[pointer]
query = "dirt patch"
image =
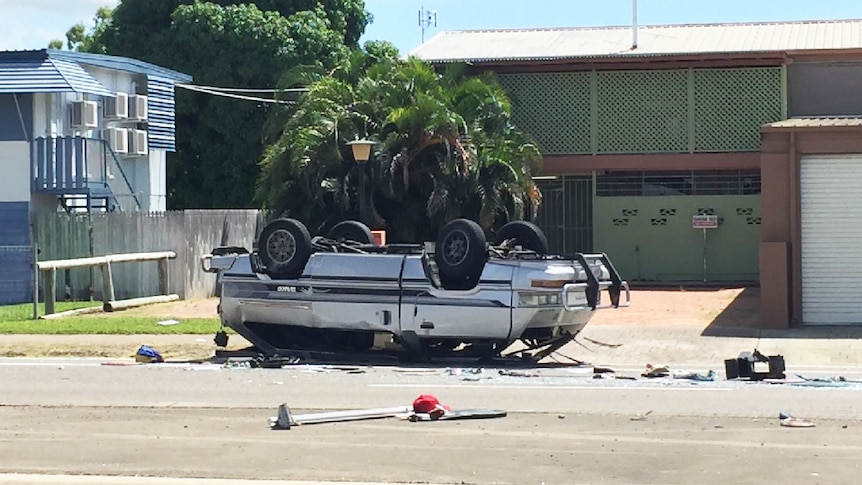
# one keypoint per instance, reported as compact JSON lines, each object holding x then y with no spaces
{"x":183,"y":309}
{"x":739,"y":307}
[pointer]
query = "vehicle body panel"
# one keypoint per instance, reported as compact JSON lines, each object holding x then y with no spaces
{"x":396,"y":295}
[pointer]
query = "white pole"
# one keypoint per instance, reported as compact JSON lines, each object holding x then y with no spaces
{"x":634,"y":24}
{"x":421,"y":23}
{"x":704,"y":255}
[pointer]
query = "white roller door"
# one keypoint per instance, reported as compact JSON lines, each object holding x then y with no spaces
{"x":831,"y":200}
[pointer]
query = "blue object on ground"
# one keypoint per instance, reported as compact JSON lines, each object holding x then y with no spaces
{"x":148,"y":354}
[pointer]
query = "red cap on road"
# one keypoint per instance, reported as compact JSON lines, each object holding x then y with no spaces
{"x":427,"y":403}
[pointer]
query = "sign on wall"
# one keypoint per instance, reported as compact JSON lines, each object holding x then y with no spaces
{"x":704,"y":222}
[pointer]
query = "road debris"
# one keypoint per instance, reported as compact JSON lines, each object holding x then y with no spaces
{"x":745,"y":366}
{"x":694,"y":376}
{"x":641,"y":417}
{"x":460,"y":371}
{"x":834,"y":381}
{"x":424,"y":408}
{"x":148,"y":355}
{"x":169,"y":322}
{"x":785,"y":419}
{"x":285,"y":419}
{"x":516,"y":373}
{"x":602,"y":344}
{"x":459,"y":414}
{"x":656,"y":371}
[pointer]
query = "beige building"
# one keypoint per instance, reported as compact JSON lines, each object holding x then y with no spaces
{"x":751,"y":129}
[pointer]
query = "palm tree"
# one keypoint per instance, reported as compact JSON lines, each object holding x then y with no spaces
{"x":447,"y":148}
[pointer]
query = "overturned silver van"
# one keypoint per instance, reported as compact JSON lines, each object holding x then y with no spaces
{"x":456,"y":296}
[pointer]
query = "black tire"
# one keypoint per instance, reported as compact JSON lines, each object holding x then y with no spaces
{"x":355,"y":231}
{"x":284,"y":247}
{"x":525,"y":234}
{"x":460,"y":254}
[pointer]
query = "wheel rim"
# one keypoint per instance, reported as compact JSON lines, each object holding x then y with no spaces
{"x":455,"y":248}
{"x":281,"y":246}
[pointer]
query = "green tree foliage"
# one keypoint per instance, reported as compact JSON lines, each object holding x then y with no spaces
{"x":78,"y":38}
{"x":447,"y":148}
{"x":237,"y":44}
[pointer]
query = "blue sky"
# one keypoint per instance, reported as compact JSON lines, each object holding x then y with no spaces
{"x":31,"y":24}
{"x":397,"y":20}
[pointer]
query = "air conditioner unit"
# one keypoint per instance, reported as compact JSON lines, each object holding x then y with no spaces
{"x":138,"y":107}
{"x":85,"y":114}
{"x":138,"y":142}
{"x":118,"y":139}
{"x":116,"y":108}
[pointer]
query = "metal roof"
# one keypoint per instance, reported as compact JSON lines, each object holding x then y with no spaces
{"x":800,"y":123}
{"x":48,"y":70}
{"x":45,"y":76}
{"x":119,"y":64}
{"x":656,"y":40}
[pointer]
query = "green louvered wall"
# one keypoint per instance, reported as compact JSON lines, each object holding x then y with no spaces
{"x":659,"y":111}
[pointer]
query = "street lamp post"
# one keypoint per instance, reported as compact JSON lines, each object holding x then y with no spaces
{"x":361,"y":153}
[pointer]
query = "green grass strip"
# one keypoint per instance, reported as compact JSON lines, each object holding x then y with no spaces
{"x":17,"y":319}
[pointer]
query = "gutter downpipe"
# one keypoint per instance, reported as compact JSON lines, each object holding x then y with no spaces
{"x":795,"y":234}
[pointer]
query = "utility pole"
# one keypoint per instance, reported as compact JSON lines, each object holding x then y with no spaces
{"x":427,"y":18}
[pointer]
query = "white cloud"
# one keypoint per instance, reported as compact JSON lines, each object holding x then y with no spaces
{"x":31,"y":24}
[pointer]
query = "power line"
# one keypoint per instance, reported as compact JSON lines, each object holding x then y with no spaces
{"x":216,"y":92}
{"x":244,"y":90}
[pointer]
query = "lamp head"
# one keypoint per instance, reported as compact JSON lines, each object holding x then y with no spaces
{"x":361,"y":150}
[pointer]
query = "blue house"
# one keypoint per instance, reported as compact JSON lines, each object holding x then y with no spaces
{"x":80,"y":133}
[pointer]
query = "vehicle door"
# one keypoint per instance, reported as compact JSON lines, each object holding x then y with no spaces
{"x":355,"y":291}
{"x":432,"y":312}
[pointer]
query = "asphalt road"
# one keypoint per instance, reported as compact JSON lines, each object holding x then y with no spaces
{"x":79,"y":417}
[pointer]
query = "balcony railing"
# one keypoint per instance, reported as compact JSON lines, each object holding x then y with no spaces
{"x":80,"y":166}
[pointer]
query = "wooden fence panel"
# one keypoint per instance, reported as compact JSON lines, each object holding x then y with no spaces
{"x":190,"y":234}
{"x":61,"y":236}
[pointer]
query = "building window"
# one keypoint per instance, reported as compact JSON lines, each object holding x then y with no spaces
{"x":658,"y":183}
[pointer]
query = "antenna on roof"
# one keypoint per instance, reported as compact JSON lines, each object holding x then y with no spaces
{"x":427,"y":18}
{"x":634,"y":24}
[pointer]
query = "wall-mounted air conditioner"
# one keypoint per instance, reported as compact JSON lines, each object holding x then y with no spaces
{"x":85,"y":114}
{"x":118,"y":139}
{"x":116,"y":108}
{"x":138,"y":107}
{"x":138,"y":142}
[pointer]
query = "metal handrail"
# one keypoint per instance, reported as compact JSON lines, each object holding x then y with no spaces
{"x":107,"y":149}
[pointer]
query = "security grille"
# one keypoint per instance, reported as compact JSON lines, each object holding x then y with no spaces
{"x":579,"y":214}
{"x":552,"y":107}
{"x":732,"y":104}
{"x":566,"y":213}
{"x":552,"y":212}
{"x":642,"y":111}
{"x":706,"y":182}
